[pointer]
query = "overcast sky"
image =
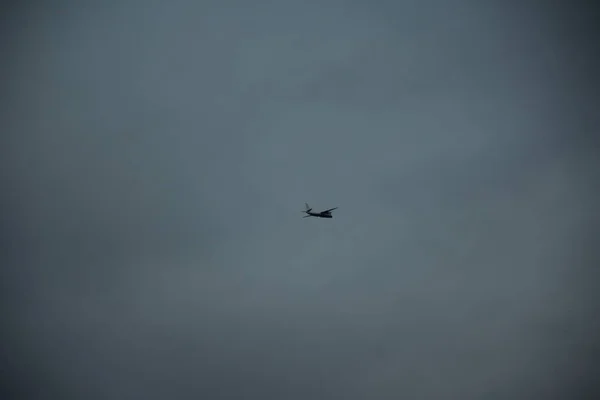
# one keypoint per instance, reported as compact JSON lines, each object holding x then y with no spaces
{"x":157,"y":156}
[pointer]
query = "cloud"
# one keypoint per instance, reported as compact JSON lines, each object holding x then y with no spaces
{"x":157,"y":157}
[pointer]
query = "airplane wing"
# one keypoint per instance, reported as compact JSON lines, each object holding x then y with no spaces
{"x":331,"y":209}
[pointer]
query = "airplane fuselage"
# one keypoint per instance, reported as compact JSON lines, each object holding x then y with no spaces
{"x":320,"y":215}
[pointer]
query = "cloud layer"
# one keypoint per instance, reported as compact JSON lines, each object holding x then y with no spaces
{"x":157,"y":156}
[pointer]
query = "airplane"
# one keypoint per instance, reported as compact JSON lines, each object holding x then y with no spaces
{"x":322,"y":214}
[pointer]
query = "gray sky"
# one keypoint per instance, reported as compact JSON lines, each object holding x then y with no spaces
{"x":157,"y":156}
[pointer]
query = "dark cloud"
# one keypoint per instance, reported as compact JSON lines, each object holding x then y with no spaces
{"x":157,"y":155}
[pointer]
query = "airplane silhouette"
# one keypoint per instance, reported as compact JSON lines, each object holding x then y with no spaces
{"x":322,"y":214}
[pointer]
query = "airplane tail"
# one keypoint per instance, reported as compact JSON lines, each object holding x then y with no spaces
{"x":308,"y":208}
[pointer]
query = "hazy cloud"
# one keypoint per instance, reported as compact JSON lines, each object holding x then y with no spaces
{"x":158,"y":154}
